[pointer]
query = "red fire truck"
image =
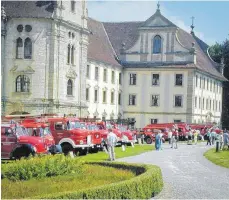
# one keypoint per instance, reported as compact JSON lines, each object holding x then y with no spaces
{"x":36,"y":127}
{"x":17,"y":143}
{"x":67,"y":132}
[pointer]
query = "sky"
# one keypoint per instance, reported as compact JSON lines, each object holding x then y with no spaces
{"x":211,"y":17}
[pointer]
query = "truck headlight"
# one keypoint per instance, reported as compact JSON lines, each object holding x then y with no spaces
{"x":81,"y":141}
{"x":35,"y":149}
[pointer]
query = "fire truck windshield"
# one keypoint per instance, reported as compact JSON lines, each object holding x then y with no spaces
{"x":83,"y":126}
{"x":75,"y":125}
{"x":45,"y":131}
{"x":20,"y":131}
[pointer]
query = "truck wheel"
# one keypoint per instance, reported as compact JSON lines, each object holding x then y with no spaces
{"x":83,"y":152}
{"x":66,"y":148}
{"x":95,"y":150}
{"x":149,"y":140}
{"x":22,"y":152}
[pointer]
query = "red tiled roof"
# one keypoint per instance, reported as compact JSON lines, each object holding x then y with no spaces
{"x":100,"y":48}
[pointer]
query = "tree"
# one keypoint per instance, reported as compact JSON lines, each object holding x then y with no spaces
{"x":217,"y":52}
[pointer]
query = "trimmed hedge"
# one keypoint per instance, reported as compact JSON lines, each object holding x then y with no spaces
{"x":144,"y":186}
{"x":39,"y":167}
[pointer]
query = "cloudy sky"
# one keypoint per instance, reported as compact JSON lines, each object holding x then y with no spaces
{"x":211,"y":17}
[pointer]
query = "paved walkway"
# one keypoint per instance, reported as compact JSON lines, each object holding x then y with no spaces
{"x":187,"y":173}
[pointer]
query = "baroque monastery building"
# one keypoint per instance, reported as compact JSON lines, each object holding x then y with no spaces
{"x":55,"y":59}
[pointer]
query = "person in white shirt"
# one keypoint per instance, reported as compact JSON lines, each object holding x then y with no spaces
{"x":170,"y":134}
{"x":111,"y":142}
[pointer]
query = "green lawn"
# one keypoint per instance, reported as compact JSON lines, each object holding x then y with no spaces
{"x":219,"y":158}
{"x":130,"y":151}
{"x":93,"y":176}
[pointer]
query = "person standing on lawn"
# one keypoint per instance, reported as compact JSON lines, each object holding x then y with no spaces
{"x":225,"y":139}
{"x":111,"y":142}
{"x":221,"y":140}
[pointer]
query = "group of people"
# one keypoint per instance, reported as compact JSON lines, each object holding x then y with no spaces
{"x":222,"y":138}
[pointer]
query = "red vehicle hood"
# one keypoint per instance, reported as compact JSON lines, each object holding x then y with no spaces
{"x":30,"y":139}
{"x":81,"y":132}
{"x":128,"y":134}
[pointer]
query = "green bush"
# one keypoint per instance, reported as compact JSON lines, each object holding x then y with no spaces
{"x":144,"y":186}
{"x":38,"y":167}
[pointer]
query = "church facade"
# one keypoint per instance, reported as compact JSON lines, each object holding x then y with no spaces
{"x":58,"y":60}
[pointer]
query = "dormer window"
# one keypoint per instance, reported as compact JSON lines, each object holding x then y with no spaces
{"x":156,"y":44}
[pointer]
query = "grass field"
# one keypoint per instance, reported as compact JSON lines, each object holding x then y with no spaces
{"x":93,"y":176}
{"x":130,"y":151}
{"x":219,"y":158}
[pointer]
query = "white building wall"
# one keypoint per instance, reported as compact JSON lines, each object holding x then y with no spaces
{"x":100,"y":109}
{"x":166,"y":111}
{"x":202,"y":113}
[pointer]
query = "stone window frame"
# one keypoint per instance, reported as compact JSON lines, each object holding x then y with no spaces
{"x":73,"y":6}
{"x":135,"y":100}
{"x":153,"y":48}
{"x":154,"y":119}
{"x":175,"y":80}
{"x":70,"y":87}
{"x":22,"y":79}
{"x":23,"y":38}
{"x":151,"y":100}
{"x":158,"y":79}
{"x":182,"y":101}
{"x":131,"y":79}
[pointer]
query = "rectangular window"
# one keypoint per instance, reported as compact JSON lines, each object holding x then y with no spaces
{"x":120,"y":78}
{"x":178,"y":101}
{"x":213,"y":105}
{"x":113,"y":77}
{"x":210,"y":104}
{"x":214,"y":87}
{"x":155,"y":100}
{"x":200,"y":81}
{"x":176,"y":120}
{"x":211,"y":85}
{"x":199,"y":103}
{"x":88,"y":71}
{"x":87,"y":94}
{"x":119,"y":98}
{"x":155,"y":79}
{"x":179,"y":80}
{"x":195,"y":102}
{"x":105,"y":75}
{"x":132,"y":99}
{"x":206,"y":104}
{"x":96,"y":73}
{"x":96,"y":96}
{"x":132,"y":79}
{"x":203,"y":104}
{"x":203,"y":83}
{"x":153,"y":121}
{"x":217,"y":87}
{"x":112,"y":97}
{"x":207,"y":83}
{"x":73,"y":6}
{"x":196,"y":80}
{"x":219,"y":106}
{"x":216,"y":105}
{"x":104,"y":96}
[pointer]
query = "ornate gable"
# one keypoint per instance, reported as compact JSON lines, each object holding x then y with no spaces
{"x":71,"y":74}
{"x":158,"y":20}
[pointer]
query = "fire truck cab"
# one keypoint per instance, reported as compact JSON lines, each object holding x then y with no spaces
{"x":67,"y":132}
{"x":17,"y":143}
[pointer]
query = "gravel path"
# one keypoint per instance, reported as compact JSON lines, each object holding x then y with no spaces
{"x":187,"y":173}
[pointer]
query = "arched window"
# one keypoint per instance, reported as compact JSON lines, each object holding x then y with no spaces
{"x":19,"y":48}
{"x":68,"y":58}
{"x":157,"y":44}
{"x":28,"y":48}
{"x":69,"y":87}
{"x":72,"y":55}
{"x":22,"y":83}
